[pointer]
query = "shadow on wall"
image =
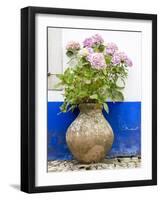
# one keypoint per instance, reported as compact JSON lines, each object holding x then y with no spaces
{"x":124,"y":118}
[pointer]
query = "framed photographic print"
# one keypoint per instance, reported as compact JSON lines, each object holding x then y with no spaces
{"x":88,"y":99}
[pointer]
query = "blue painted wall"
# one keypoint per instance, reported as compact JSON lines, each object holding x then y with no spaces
{"x":125,"y":120}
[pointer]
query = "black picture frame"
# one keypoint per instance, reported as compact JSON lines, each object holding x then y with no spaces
{"x":28,"y":98}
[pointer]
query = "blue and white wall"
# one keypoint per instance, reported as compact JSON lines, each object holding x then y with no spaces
{"x":124,"y":117}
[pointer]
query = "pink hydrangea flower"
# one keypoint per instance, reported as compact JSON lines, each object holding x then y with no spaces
{"x":90,"y":50}
{"x":88,"y":42}
{"x":121,"y":57}
{"x":116,"y":59}
{"x":97,"y":60}
{"x":98,"y":39}
{"x":128,"y":62}
{"x":72,"y":45}
{"x":95,"y":39}
{"x":111,"y":48}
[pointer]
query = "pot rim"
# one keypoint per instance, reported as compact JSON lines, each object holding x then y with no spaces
{"x":90,"y":106}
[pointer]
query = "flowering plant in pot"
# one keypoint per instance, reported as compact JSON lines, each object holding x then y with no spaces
{"x":96,"y":73}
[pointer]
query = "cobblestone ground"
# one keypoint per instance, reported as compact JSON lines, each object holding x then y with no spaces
{"x":110,"y":163}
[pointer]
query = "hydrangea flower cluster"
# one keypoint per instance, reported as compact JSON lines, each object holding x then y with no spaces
{"x":99,"y":54}
{"x":97,"y":60}
{"x":111,"y":48}
{"x":72,"y":45}
{"x":94,"y":40}
{"x":121,"y":57}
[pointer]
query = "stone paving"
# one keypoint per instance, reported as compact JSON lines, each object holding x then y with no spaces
{"x":110,"y":163}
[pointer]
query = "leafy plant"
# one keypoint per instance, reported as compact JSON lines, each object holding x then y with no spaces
{"x":98,"y":74}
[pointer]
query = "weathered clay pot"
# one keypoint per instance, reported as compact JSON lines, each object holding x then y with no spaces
{"x":90,"y":136}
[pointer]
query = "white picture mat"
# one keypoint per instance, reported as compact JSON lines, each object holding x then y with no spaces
{"x":145,"y":172}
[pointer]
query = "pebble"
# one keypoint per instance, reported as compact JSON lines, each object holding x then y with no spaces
{"x":110,"y":163}
{"x":127,"y":159}
{"x":134,"y":159}
{"x":131,"y":164}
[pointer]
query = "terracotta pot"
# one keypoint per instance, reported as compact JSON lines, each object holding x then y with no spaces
{"x":90,"y":136}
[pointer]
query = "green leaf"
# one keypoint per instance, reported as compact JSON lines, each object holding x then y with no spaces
{"x":94,"y":96}
{"x":105,"y":106}
{"x":101,"y":47}
{"x":117,"y":95}
{"x":87,"y":81}
{"x":69,"y":53}
{"x":60,"y":76}
{"x":108,"y":59}
{"x":58,"y":85}
{"x":104,"y":71}
{"x":71,"y":108}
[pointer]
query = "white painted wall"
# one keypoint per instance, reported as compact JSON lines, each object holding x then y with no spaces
{"x":55,"y":63}
{"x":55,"y":55}
{"x":10,"y":100}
